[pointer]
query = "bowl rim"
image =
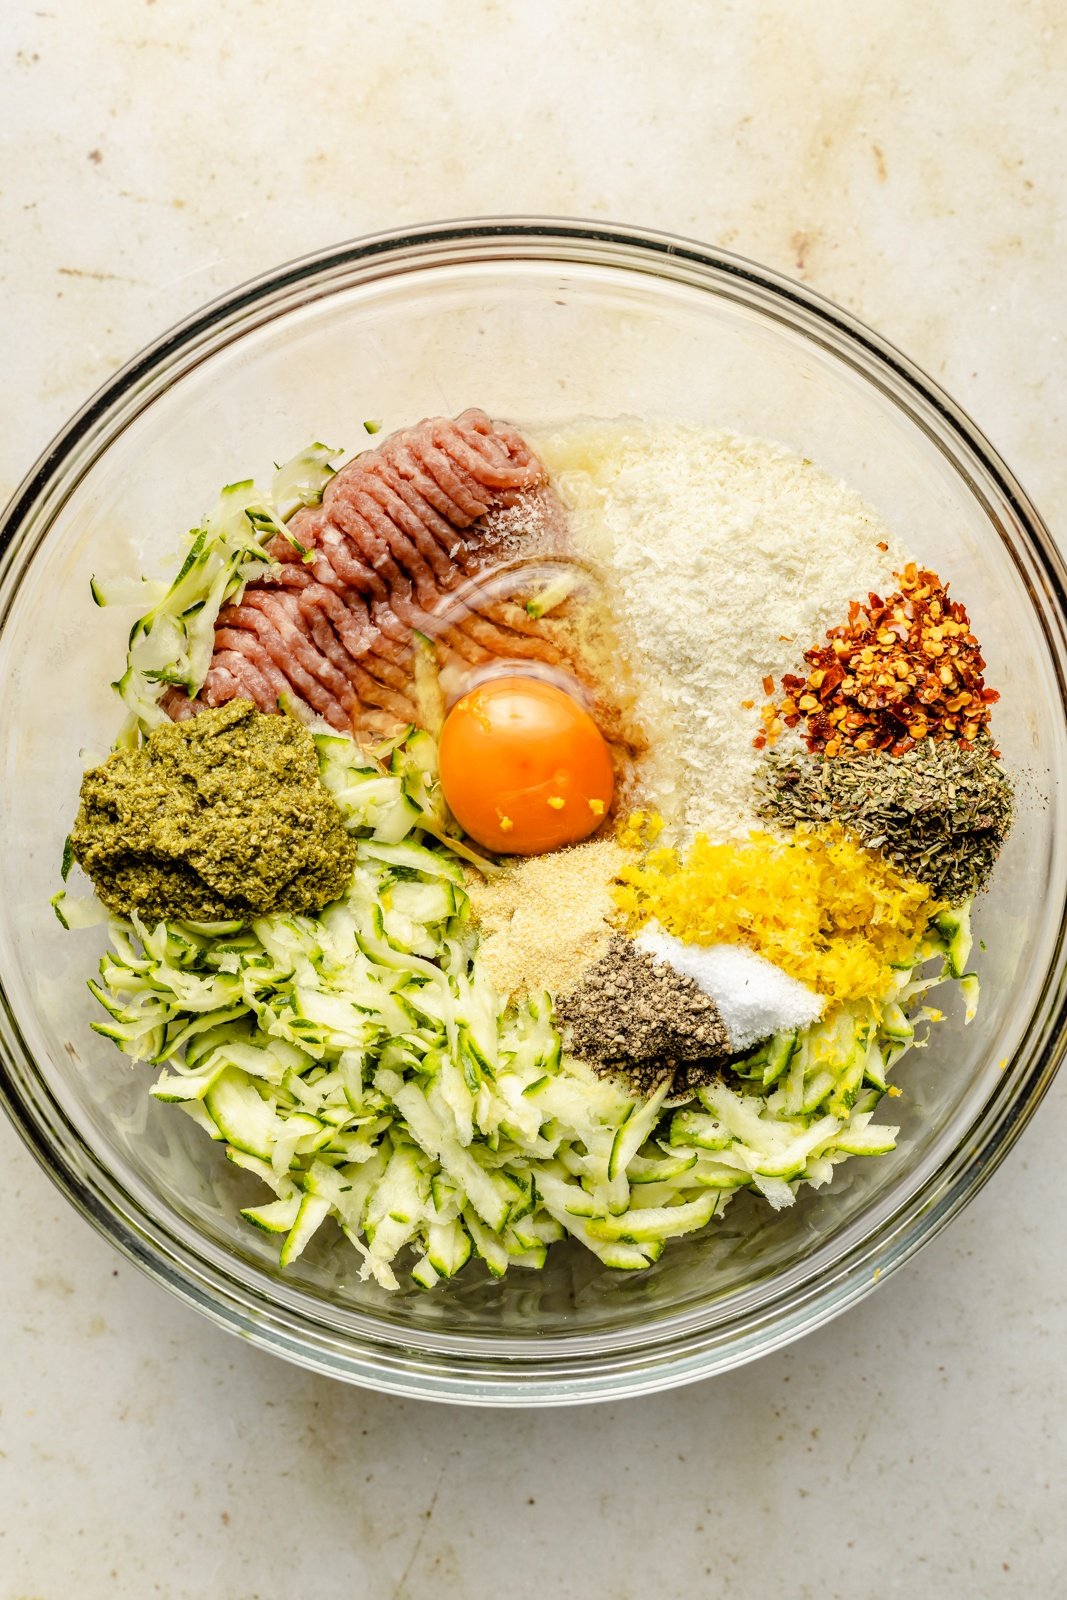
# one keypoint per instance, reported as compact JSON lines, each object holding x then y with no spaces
{"x":679,"y":1354}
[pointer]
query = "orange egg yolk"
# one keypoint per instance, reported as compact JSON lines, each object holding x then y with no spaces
{"x":524,"y":767}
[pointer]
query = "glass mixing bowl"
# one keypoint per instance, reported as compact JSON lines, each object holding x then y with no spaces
{"x":536,"y":321}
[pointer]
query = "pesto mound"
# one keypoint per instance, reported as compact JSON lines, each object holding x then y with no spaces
{"x":218,"y":818}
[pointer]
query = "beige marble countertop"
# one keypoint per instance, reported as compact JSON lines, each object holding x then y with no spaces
{"x":905,"y":159}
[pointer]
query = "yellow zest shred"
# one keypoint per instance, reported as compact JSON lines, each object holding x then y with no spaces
{"x":640,"y":829}
{"x":820,"y":906}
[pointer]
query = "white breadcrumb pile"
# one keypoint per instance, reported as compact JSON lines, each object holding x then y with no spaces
{"x":753,"y":997}
{"x":725,"y":558}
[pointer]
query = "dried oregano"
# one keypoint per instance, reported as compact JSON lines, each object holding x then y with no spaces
{"x":938,"y":812}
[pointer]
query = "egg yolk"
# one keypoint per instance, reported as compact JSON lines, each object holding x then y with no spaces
{"x":524,"y":767}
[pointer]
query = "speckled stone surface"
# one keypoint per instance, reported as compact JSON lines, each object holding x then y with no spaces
{"x":905,"y":159}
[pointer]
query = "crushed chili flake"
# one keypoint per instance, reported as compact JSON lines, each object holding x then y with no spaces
{"x":898,"y":671}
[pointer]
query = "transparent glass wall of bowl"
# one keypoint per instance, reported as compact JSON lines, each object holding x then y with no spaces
{"x":540,"y":342}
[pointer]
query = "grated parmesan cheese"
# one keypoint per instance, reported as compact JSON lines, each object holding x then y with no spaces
{"x":724,"y":557}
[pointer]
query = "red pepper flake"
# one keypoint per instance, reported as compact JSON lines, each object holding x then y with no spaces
{"x":898,"y":671}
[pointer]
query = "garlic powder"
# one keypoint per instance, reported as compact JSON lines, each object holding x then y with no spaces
{"x":546,"y":918}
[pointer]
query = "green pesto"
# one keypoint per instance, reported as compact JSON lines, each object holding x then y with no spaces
{"x":224,"y":816}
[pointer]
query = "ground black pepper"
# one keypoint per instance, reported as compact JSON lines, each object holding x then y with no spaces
{"x":635,"y":1017}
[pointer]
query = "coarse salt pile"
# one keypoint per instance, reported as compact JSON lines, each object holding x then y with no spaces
{"x":753,"y":997}
{"x":725,"y":557}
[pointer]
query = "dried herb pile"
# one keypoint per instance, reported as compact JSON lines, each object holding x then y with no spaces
{"x":938,"y":812}
{"x":899,"y":671}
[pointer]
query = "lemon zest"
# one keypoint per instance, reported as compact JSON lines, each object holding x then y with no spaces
{"x":830,"y":913}
{"x":639,"y":830}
